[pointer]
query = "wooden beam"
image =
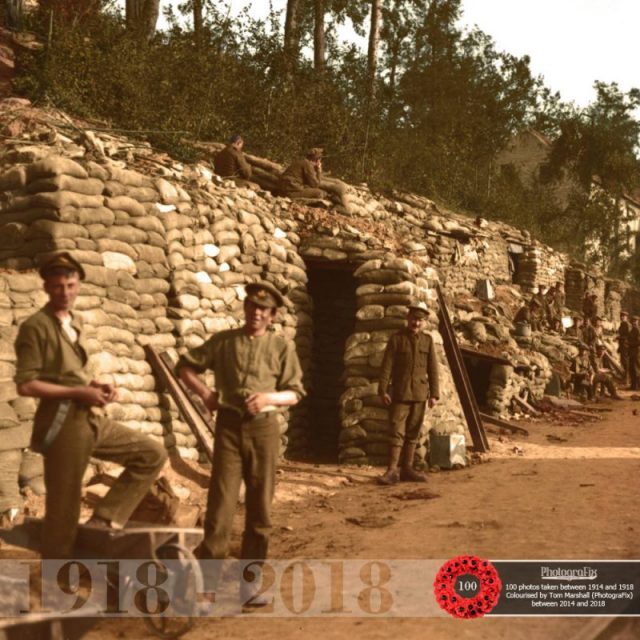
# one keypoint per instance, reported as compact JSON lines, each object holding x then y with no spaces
{"x":503,"y":424}
{"x":461,"y":378}
{"x":200,"y":428}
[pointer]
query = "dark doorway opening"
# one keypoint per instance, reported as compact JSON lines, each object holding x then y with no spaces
{"x":479,"y":372}
{"x":333,"y":289}
{"x":514,"y":253}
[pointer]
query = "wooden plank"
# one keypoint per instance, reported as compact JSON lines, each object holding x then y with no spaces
{"x":461,"y":378}
{"x":526,"y":406}
{"x":503,"y":424}
{"x":197,"y":403}
{"x":190,"y":415}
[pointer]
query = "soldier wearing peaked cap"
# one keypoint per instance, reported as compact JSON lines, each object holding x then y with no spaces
{"x":69,"y":425}
{"x":231,"y":162}
{"x":408,"y":379}
{"x":302,"y":178}
{"x":257,"y":373}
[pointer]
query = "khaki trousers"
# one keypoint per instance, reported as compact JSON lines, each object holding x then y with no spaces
{"x":85,"y":434}
{"x":405,"y":422}
{"x":245,"y":449}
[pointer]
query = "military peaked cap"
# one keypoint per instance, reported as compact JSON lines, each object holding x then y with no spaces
{"x":62,"y":260}
{"x":264,"y":294}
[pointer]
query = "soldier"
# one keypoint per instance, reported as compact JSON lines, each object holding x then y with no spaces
{"x":590,"y":306}
{"x":634,"y":353}
{"x":593,"y":333}
{"x":256,"y":373}
{"x":529,"y":314}
{"x":302,"y":178}
{"x":231,"y":163}
{"x":601,"y":364}
{"x":69,"y":426}
{"x":623,"y":343}
{"x":410,"y":368}
{"x":582,"y":372}
{"x":555,"y":304}
{"x":577,"y":329}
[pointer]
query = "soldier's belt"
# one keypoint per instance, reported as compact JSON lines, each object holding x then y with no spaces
{"x":56,"y":425}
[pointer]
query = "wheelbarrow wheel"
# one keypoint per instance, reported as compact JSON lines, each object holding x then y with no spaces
{"x":185,"y":580}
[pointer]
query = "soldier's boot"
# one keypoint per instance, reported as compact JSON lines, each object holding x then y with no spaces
{"x":392,"y":474}
{"x":407,"y":472}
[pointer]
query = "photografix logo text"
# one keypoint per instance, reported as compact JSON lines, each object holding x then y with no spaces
{"x":573,"y":573}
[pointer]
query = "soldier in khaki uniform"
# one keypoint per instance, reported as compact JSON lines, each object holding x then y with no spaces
{"x":623,"y":343}
{"x":302,"y":178}
{"x":69,"y":426}
{"x":231,"y":163}
{"x":408,"y":378}
{"x":602,"y":372}
{"x":256,"y":372}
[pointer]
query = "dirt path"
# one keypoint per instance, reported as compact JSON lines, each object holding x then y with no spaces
{"x":535,"y":499}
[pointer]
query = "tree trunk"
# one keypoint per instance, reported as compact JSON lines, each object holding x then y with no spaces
{"x":14,"y":10}
{"x":318,"y":37}
{"x":197,"y":19}
{"x":291,"y":33}
{"x":142,"y":16}
{"x":374,"y":42}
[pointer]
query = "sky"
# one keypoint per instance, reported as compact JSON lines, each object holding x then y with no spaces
{"x":571,"y":43}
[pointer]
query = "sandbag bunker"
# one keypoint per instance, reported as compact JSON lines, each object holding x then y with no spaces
{"x":168,"y":248}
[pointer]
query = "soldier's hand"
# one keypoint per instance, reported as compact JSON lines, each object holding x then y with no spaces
{"x":256,"y":402}
{"x":211,"y":401}
{"x":108,"y":389}
{"x":433,"y":402}
{"x":386,"y":399}
{"x":92,"y":396}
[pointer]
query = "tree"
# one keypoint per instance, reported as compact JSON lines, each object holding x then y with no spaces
{"x":142,"y":16}
{"x":374,"y":42}
{"x":291,"y":34}
{"x":14,"y":10}
{"x":318,"y":36}
{"x":197,"y":19}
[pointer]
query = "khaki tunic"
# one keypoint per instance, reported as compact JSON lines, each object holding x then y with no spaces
{"x":246,"y":447}
{"x":243,"y":365}
{"x":231,"y":163}
{"x":410,"y":367}
{"x":297,"y":176}
{"x":45,"y":352}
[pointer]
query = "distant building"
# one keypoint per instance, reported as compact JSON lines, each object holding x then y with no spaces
{"x":526,"y":157}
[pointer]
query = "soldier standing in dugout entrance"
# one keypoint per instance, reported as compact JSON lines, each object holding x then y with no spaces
{"x":623,"y":343}
{"x":410,"y":368}
{"x":69,"y":425}
{"x":634,"y":352}
{"x":256,"y":373}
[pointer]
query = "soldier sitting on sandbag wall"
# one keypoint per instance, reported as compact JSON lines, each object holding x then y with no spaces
{"x":301,"y":179}
{"x":529,"y":314}
{"x":582,"y":373}
{"x":602,"y":372}
{"x":231,"y":163}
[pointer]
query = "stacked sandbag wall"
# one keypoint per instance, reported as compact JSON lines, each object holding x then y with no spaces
{"x":385,"y":288}
{"x":105,"y":216}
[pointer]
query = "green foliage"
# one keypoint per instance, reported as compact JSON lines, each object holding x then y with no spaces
{"x":446,"y":102}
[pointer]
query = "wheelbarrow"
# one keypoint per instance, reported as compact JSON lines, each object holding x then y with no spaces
{"x":169,"y":549}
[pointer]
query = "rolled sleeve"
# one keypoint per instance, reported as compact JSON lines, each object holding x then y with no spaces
{"x":433,"y":371}
{"x":290,"y":372}
{"x":29,"y":355}
{"x":199,"y":359}
{"x":385,"y":370}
